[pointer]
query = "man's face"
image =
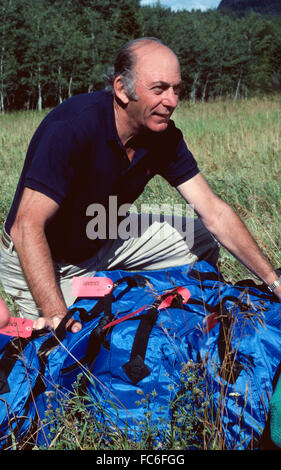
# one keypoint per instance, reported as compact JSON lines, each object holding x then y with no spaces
{"x":157,"y":83}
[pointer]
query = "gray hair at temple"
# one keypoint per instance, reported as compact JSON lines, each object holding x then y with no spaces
{"x":124,"y":67}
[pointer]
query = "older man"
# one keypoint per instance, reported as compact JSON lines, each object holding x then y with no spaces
{"x":90,"y":149}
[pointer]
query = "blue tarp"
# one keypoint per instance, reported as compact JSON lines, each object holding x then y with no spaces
{"x":233,"y":332}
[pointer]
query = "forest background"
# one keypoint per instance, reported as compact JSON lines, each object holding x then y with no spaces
{"x":53,"y":49}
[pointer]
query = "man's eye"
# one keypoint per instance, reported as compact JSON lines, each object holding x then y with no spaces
{"x":158,"y":89}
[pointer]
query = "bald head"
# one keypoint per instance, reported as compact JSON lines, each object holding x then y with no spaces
{"x":129,"y":60}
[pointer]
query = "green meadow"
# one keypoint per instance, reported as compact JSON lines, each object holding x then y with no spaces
{"x":237,"y":144}
{"x":238,"y":147}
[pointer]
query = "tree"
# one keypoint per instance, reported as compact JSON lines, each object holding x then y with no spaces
{"x":35,"y":50}
{"x":8,"y":63}
{"x":52,"y":49}
{"x":261,"y":41}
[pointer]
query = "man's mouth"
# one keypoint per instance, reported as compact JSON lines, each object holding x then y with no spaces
{"x":162,"y":116}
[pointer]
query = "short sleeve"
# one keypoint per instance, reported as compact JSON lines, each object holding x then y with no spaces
{"x":51,"y":161}
{"x":178,"y":163}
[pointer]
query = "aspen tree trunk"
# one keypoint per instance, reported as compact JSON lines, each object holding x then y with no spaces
{"x":204,"y":91}
{"x":39,"y":102}
{"x":237,"y":92}
{"x":193,"y":89}
{"x":59,"y":85}
{"x":70,"y":88}
{"x":2,"y":105}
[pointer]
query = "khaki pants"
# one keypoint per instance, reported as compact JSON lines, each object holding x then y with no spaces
{"x":161,"y":245}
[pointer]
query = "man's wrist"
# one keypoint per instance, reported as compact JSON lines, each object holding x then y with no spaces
{"x":274,"y":284}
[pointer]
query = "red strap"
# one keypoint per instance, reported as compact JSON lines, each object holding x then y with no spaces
{"x":164,"y":304}
{"x":178,"y":290}
{"x":211,"y":321}
{"x":119,"y":320}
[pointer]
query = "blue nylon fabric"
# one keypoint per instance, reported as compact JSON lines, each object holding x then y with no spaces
{"x":15,"y":411}
{"x":179,"y":334}
{"x":245,"y":403}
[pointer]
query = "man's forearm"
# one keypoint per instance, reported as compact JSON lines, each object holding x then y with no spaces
{"x":232,"y":233}
{"x":220,"y":219}
{"x":34,"y":254}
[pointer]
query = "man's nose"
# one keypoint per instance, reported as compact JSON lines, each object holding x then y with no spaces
{"x":170,"y":98}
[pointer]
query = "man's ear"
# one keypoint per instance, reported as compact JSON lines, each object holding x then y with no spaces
{"x":119,"y":90}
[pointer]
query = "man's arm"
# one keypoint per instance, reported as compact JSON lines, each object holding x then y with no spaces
{"x":4,"y":314}
{"x":220,"y":219}
{"x":28,"y":234}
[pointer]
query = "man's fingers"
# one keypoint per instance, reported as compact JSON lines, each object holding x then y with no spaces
{"x":53,"y":322}
{"x":74,"y":326}
{"x":40,"y":324}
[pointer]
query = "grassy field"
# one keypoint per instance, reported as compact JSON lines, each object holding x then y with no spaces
{"x":237,"y":145}
{"x":238,"y":148}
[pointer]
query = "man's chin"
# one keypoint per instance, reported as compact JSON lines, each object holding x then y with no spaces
{"x":159,"y":126}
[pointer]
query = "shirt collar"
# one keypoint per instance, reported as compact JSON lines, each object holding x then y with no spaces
{"x":142,"y":142}
{"x":111,"y":130}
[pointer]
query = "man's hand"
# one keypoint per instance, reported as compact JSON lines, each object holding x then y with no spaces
{"x":53,"y":322}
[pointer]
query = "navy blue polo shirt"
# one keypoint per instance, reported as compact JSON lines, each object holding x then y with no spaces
{"x":77,"y":159}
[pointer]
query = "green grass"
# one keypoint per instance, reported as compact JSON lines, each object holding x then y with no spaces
{"x":238,"y":148}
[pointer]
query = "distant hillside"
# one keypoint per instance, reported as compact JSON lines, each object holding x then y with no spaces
{"x":264,"y":7}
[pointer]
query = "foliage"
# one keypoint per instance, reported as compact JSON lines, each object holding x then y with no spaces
{"x":79,"y":422}
{"x":52,"y":49}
